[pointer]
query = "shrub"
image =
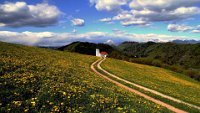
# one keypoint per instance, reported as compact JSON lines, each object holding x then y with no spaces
{"x":176,"y":68}
{"x":157,"y":63}
{"x":193,"y":74}
{"x":147,"y":61}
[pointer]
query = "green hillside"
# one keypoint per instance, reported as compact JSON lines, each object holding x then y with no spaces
{"x":186,"y":55}
{"x":159,"y":79}
{"x":41,"y":80}
{"x":182,"y":58}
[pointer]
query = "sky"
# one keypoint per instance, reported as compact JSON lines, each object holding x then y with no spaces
{"x":60,"y":22}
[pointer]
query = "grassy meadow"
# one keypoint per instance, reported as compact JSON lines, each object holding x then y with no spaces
{"x":162,"y":80}
{"x":41,"y":80}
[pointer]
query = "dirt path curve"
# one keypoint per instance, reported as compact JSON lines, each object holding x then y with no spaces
{"x":133,"y":90}
{"x":146,"y":89}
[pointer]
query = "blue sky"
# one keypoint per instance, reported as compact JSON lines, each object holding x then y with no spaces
{"x":59,"y":22}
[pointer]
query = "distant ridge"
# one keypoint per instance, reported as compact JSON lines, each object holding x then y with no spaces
{"x":86,"y":48}
{"x":186,"y":41}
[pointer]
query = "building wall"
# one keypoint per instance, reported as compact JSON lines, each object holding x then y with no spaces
{"x":98,"y":53}
{"x":104,"y":56}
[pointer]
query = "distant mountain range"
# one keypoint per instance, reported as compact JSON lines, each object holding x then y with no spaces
{"x":186,"y":41}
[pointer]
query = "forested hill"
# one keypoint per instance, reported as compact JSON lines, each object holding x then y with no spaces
{"x":90,"y":48}
{"x":86,"y":48}
{"x":187,"y":55}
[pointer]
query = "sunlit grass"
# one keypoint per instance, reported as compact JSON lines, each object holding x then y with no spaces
{"x":41,"y":80}
{"x":162,"y":80}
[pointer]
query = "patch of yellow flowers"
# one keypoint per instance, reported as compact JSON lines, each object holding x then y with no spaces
{"x":41,"y":80}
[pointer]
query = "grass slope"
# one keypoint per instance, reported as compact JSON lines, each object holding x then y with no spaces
{"x":162,"y":80}
{"x":42,"y":80}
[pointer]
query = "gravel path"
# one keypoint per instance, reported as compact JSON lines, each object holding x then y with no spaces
{"x":99,"y":61}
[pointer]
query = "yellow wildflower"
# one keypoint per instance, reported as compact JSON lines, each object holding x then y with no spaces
{"x":51,"y":103}
{"x":56,"y":108}
{"x":33,"y":103}
{"x":119,"y":108}
{"x":64,"y":93}
{"x":17,"y":103}
{"x":62,"y":103}
{"x":26,"y":110}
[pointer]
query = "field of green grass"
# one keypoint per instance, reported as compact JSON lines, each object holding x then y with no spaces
{"x":162,"y":80}
{"x":41,"y":80}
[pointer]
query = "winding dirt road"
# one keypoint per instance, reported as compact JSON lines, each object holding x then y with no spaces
{"x":99,"y":61}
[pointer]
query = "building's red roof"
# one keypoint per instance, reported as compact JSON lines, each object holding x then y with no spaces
{"x":104,"y":53}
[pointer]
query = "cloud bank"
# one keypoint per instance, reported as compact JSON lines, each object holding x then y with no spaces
{"x":144,"y":12}
{"x":20,"y":14}
{"x":183,"y":28}
{"x":59,"y":39}
{"x":178,"y":28}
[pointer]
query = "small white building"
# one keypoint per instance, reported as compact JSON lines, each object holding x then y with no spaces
{"x":98,"y":53}
{"x":101,"y":54}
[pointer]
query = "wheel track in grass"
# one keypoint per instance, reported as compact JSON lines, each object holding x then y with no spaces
{"x":172,"y":108}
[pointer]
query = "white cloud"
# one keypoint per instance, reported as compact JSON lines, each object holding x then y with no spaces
{"x":2,"y":24}
{"x":134,"y":21}
{"x":195,"y":31}
{"x":164,"y":15}
{"x":78,"y":22}
{"x":178,"y":28}
{"x":123,"y":16}
{"x":144,"y":12}
{"x":158,"y":5}
{"x":164,"y":10}
{"x":59,"y":39}
{"x":108,"y":5}
{"x":27,"y":38}
{"x":185,"y":12}
{"x":74,"y":31}
{"x":183,"y":28}
{"x":126,"y":19}
{"x":21,"y":14}
{"x":105,"y":20}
